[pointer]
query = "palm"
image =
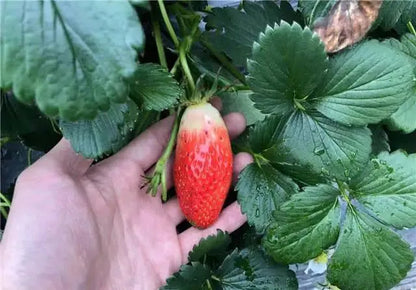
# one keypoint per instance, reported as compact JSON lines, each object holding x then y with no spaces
{"x":76,"y":226}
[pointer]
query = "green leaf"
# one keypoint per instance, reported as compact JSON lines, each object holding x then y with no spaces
{"x":405,"y":117}
{"x":365,"y":84}
{"x":154,"y":88}
{"x":387,"y":187}
{"x":62,"y":61}
{"x":189,"y":277}
{"x":314,"y":9}
{"x":27,"y":123}
{"x":232,"y":273}
{"x":211,"y":250}
{"x":305,"y":225}
{"x":18,"y":118}
{"x":368,"y":255}
{"x":393,"y":12}
{"x":379,"y":140}
{"x":239,"y":101}
{"x":264,"y":141}
{"x":282,"y":72}
{"x":147,"y":118}
{"x":251,"y":269}
{"x":105,"y":134}
{"x":407,"y":45}
{"x":141,"y":3}
{"x":325,"y":147}
{"x":236,"y":30}
{"x":207,"y":64}
{"x":401,"y":26}
{"x":260,"y":191}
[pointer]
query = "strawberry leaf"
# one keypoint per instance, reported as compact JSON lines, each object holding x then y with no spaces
{"x":239,"y":101}
{"x":368,"y":255}
{"x":208,"y":65}
{"x":211,"y":250}
{"x":260,"y":191}
{"x":251,"y":269}
{"x":388,"y":188}
{"x":315,"y":9}
{"x":365,"y":247}
{"x":393,"y":12}
{"x":405,"y":117}
{"x":229,"y":22}
{"x":189,"y":277}
{"x":264,"y":140}
{"x":282,"y":72}
{"x":18,"y":119}
{"x":62,"y":61}
{"x":107,"y":133}
{"x":154,"y":88}
{"x":365,"y":84}
{"x":311,"y":145}
{"x":305,"y":225}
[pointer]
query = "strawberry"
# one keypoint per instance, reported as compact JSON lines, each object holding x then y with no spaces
{"x":203,"y":164}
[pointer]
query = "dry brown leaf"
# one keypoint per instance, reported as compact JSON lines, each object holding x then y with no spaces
{"x":347,"y":23}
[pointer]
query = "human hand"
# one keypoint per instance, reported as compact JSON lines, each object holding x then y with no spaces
{"x":77,"y":226}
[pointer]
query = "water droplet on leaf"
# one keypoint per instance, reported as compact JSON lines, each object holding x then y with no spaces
{"x":319,"y":151}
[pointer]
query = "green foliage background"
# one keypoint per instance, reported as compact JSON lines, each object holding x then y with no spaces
{"x":332,"y":136}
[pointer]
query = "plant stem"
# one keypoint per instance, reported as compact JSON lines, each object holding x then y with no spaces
{"x":3,"y":212}
{"x":3,"y":204}
{"x":225,"y":62}
{"x":29,"y":157}
{"x":259,"y":159}
{"x":5,"y":200}
{"x":161,"y":164}
{"x":186,"y":70}
{"x":209,"y":284}
{"x":55,"y":126}
{"x":344,"y":195}
{"x":158,"y":39}
{"x":411,"y":28}
{"x":175,"y":67}
{"x":167,"y":23}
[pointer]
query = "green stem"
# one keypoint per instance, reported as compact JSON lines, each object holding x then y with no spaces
{"x":209,"y":284}
{"x":175,"y":67}
{"x":55,"y":126}
{"x":6,"y":201}
{"x":215,"y":278}
{"x":186,"y":70}
{"x":158,"y":39}
{"x":167,"y":23}
{"x":160,"y":169}
{"x":29,"y":157}
{"x":298,"y":104}
{"x":259,"y":159}
{"x":411,"y":28}
{"x":225,"y":62}
{"x":3,"y":212}
{"x":344,"y":195}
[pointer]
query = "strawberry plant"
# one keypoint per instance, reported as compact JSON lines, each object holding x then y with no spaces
{"x":328,"y":89}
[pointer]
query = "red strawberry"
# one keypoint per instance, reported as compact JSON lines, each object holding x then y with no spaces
{"x":203,"y":164}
